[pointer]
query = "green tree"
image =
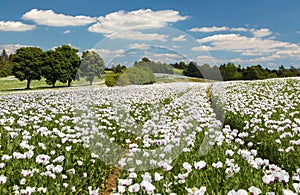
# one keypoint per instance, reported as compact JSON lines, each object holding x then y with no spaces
{"x":92,"y":66}
{"x":230,"y":72}
{"x":28,"y":62}
{"x":70,"y":63}
{"x":252,"y":73}
{"x":5,"y":64}
{"x":118,"y":68}
{"x":137,"y":75}
{"x":155,"y":67}
{"x":52,"y":69}
{"x":293,"y":71}
{"x":192,"y":70}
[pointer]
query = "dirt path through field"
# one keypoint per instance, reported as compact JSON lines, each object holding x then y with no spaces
{"x":111,"y":182}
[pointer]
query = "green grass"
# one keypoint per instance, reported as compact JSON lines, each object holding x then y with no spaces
{"x":10,"y":83}
{"x":177,"y":71}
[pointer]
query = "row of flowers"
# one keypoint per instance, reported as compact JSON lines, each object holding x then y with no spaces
{"x":164,"y":139}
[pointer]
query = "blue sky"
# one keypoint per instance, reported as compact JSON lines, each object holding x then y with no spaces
{"x":216,"y":31}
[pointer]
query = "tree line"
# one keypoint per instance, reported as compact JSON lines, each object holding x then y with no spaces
{"x":61,"y":64}
{"x":65,"y":65}
{"x":230,"y":71}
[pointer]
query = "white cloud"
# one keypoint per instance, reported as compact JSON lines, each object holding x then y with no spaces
{"x":11,"y":48}
{"x":164,"y":57}
{"x":108,"y":55}
{"x":208,"y":59}
{"x":257,"y":49}
{"x":138,"y":20}
{"x":293,"y":52}
{"x":108,"y":51}
{"x":256,"y":60}
{"x":167,"y":55}
{"x":140,"y":46}
{"x":15,"y":26}
{"x":50,"y":18}
{"x":180,"y":38}
{"x":67,"y":32}
{"x":218,"y":29}
{"x":209,"y":29}
{"x":239,"y":29}
{"x":238,"y":43}
{"x":136,"y":35}
{"x":202,"y":48}
{"x":264,"y":32}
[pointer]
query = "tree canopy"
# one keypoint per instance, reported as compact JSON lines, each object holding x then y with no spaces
{"x":28,"y":62}
{"x":69,"y":61}
{"x":92,"y":66}
{"x":52,"y":69}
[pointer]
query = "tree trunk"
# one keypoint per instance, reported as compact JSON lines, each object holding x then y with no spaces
{"x":69,"y":82}
{"x":91,"y":82}
{"x":53,"y":84}
{"x":28,"y":84}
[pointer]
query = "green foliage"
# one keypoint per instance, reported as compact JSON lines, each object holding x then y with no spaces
{"x":110,"y":81}
{"x":155,"y":67}
{"x":136,"y":75}
{"x":52,"y":69}
{"x":181,"y":65}
{"x":5,"y":65}
{"x":92,"y":66}
{"x":69,"y":62}
{"x":118,"y":68}
{"x":192,"y":70}
{"x":28,"y":62}
{"x":230,"y":72}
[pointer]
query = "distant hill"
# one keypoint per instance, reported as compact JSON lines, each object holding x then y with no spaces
{"x":298,"y":70}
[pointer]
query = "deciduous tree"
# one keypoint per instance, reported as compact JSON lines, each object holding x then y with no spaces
{"x":28,"y":62}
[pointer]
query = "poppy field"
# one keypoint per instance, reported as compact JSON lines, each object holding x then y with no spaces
{"x":173,"y":138}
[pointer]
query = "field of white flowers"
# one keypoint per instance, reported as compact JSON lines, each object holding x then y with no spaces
{"x":163,"y":138}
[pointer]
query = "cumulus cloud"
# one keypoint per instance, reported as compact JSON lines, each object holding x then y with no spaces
{"x":180,"y":38}
{"x":140,"y":46}
{"x":238,"y":43}
{"x":209,"y":29}
{"x":138,"y":20}
{"x":166,"y":57}
{"x":257,"y":49}
{"x":50,"y":18}
{"x":264,"y":32}
{"x":256,"y":60}
{"x":108,"y":54}
{"x":203,"y":48}
{"x":136,"y":35}
{"x":218,"y":29}
{"x":129,"y":24}
{"x":15,"y":26}
{"x":203,"y":59}
{"x":108,"y":51}
{"x":240,"y":29}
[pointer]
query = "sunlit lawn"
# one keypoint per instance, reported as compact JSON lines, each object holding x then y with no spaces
{"x":12,"y":84}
